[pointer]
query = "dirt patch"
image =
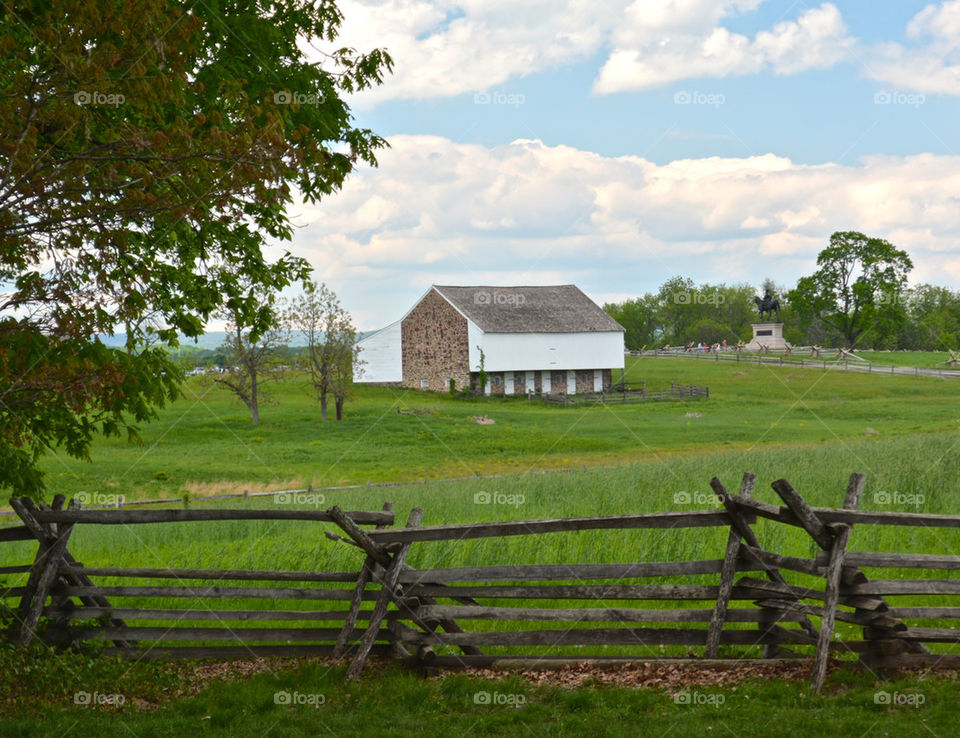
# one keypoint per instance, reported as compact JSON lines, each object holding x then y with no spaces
{"x":209,"y":489}
{"x":418,"y":411}
{"x":672,"y":678}
{"x":739,"y":374}
{"x":871,"y":432}
{"x":483,"y":420}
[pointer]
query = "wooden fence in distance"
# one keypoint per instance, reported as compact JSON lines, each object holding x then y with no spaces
{"x":531,"y":614}
{"x":631,"y":392}
{"x":798,"y":358}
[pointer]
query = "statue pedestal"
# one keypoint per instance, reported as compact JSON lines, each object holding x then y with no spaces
{"x":767,"y":334}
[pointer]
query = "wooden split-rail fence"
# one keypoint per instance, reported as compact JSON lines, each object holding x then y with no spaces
{"x":630,"y":392}
{"x":537,"y":615}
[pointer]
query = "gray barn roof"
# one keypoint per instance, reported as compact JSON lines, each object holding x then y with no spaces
{"x":557,"y":309}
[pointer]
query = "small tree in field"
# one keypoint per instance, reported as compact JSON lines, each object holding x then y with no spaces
{"x":331,"y":343}
{"x":342,"y":375}
{"x":250,"y":357}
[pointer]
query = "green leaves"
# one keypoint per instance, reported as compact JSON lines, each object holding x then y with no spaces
{"x":148,"y":152}
{"x":59,"y":393}
{"x":858,"y":287}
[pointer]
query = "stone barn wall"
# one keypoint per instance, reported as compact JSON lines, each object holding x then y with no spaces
{"x":435,"y":346}
{"x":584,"y":381}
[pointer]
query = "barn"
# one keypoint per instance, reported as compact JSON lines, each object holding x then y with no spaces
{"x":530,"y":339}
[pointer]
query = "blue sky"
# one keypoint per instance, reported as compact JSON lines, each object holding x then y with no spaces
{"x":617,"y":143}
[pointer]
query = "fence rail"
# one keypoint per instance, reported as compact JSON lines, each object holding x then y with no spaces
{"x":494,"y":614}
{"x":630,"y":392}
{"x":846,"y":364}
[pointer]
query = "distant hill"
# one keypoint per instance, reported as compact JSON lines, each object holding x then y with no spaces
{"x":211,"y":340}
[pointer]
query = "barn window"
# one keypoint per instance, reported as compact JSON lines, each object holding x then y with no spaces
{"x":497,"y":379}
{"x":424,"y":384}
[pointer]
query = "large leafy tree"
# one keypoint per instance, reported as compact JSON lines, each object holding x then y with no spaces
{"x":933,"y":322}
{"x":640,"y":319}
{"x":144,"y":149}
{"x":857,"y":288}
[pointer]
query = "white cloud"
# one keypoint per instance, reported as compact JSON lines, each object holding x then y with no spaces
{"x":436,"y":211}
{"x":933,"y":64}
{"x":444,"y":48}
{"x":449,"y":47}
{"x":646,"y":57}
{"x":940,"y":21}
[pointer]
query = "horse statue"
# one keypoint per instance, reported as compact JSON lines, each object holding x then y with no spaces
{"x":768,"y":305}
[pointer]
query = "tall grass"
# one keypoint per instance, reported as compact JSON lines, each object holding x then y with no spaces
{"x":917,"y":468}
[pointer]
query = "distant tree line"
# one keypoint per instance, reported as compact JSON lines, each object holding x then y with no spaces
{"x":857,"y":298}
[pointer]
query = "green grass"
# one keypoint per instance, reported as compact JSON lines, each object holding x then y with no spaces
{"x":204,"y":443}
{"x":391,"y":702}
{"x":905,"y":468}
{"x":806,"y":425}
{"x":922,"y":359}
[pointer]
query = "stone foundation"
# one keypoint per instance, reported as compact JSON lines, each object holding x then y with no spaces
{"x":584,"y":381}
{"x":497,"y":381}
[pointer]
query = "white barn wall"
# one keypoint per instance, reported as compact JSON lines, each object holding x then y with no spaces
{"x":476,"y":338}
{"x":544,"y":351}
{"x":382,"y":353}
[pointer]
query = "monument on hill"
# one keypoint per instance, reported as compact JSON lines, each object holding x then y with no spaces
{"x":769,"y":334}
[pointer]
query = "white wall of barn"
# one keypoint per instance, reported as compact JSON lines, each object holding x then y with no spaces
{"x":504,"y":352}
{"x":475,"y":339}
{"x":381,"y":353}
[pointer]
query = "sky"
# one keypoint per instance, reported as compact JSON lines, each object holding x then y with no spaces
{"x":614,"y":144}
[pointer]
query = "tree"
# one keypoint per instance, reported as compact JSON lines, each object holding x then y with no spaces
{"x":857,"y":288}
{"x":679,"y":310}
{"x":933,"y":319}
{"x":331,"y":343}
{"x":342,"y":375}
{"x":143,"y":147}
{"x":640,"y":320}
{"x":250,"y":359}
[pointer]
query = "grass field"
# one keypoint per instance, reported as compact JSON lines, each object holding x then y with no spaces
{"x":810,"y":426}
{"x":204,"y":443}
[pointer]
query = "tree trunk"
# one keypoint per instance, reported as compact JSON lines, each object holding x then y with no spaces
{"x":323,"y":404}
{"x":254,"y":399}
{"x":339,"y":405}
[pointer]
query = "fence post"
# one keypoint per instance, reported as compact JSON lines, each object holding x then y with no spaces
{"x":46,"y":566}
{"x":387,"y":593}
{"x":354,"y":610}
{"x":772,"y":572}
{"x":830,"y":601}
{"x":829,"y":541}
{"x":727,"y":573}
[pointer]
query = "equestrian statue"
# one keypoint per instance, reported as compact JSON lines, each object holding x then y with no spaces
{"x":768,"y":305}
